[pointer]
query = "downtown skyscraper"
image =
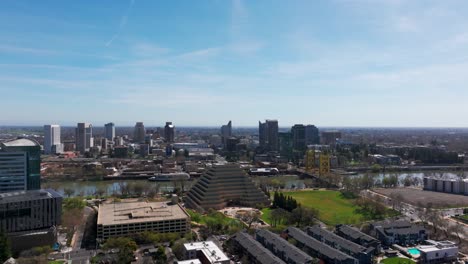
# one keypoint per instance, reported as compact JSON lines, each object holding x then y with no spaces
{"x":109,"y":131}
{"x":139,"y":133}
{"x":84,"y":137}
{"x":268,"y":135}
{"x":52,"y":144}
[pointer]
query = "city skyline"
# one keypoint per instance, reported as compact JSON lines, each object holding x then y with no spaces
{"x":331,"y":63}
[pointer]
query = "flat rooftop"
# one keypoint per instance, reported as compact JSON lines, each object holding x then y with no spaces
{"x":21,"y":196}
{"x":133,"y":211}
{"x":190,"y":261}
{"x":209,"y":249}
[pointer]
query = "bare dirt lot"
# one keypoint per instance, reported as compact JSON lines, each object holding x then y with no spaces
{"x":417,"y":196}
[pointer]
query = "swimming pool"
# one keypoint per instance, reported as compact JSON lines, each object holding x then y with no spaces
{"x":414,"y":251}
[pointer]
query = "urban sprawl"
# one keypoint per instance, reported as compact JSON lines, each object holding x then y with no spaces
{"x":266,"y":195}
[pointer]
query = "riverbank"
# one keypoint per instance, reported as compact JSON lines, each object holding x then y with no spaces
{"x":459,"y":167}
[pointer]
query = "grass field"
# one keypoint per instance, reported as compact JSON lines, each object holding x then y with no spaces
{"x":332,"y":206}
{"x":397,"y":261}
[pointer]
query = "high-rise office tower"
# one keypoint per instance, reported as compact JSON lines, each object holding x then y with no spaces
{"x":139,"y":133}
{"x":169,"y":132}
{"x":20,"y":165}
{"x":52,"y":144}
{"x":84,"y":137}
{"x":298,"y":137}
{"x":226,"y":132}
{"x":330,"y":137}
{"x":268,"y":134}
{"x":312,"y":136}
{"x":109,"y":131}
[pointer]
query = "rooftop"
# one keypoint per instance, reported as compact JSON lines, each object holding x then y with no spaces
{"x":209,"y":249}
{"x":261,"y":254}
{"x":313,"y":243}
{"x":190,"y":261}
{"x":133,"y":211}
{"x":21,"y":196}
{"x":335,"y":239}
{"x":290,"y":251}
{"x":21,"y":142}
{"x":354,"y":233}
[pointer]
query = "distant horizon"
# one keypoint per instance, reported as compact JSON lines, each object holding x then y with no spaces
{"x":353,"y":63}
{"x":237,"y":127}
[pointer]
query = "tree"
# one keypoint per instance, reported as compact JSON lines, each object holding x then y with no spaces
{"x":250,"y":217}
{"x":5,"y":247}
{"x":100,"y":191}
{"x":302,"y":216}
{"x":397,"y":199}
{"x":160,"y":257}
{"x":125,"y":245}
{"x":68,"y":192}
{"x":458,"y":229}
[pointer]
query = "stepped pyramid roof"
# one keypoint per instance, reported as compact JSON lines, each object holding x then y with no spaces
{"x":224,"y":185}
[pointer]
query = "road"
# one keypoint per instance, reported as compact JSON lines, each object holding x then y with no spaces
{"x":78,"y":235}
{"x":80,"y":256}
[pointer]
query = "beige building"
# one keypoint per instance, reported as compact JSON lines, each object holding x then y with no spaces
{"x":222,"y":186}
{"x":132,"y":216}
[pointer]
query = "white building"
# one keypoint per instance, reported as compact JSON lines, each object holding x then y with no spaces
{"x":206,"y":252}
{"x":438,"y":252}
{"x":52,"y":144}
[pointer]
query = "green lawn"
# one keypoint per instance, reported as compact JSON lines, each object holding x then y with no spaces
{"x":397,"y":261}
{"x":332,"y":206}
{"x":56,"y":262}
{"x":266,"y":215}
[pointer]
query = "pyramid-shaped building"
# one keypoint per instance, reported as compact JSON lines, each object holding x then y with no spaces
{"x":222,"y":186}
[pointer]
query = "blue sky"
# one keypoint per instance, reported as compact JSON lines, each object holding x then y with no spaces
{"x":329,"y":63}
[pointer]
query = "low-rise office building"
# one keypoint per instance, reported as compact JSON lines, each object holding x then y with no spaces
{"x":245,"y":245}
{"x":282,"y":248}
{"x":399,"y":232}
{"x":29,"y":218}
{"x":317,"y":249}
{"x":358,"y":237}
{"x":133,"y":216}
{"x":30,"y":210}
{"x":438,"y":252}
{"x":207,"y":252}
{"x":362,"y":254}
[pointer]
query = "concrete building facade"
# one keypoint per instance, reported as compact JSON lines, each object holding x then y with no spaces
{"x":84,"y":137}
{"x":139,"y":133}
{"x":224,"y":185}
{"x":268,"y":135}
{"x":133,"y":216}
{"x":226,"y":132}
{"x":52,"y":143}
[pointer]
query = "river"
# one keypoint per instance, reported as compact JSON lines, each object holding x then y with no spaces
{"x":87,"y":188}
